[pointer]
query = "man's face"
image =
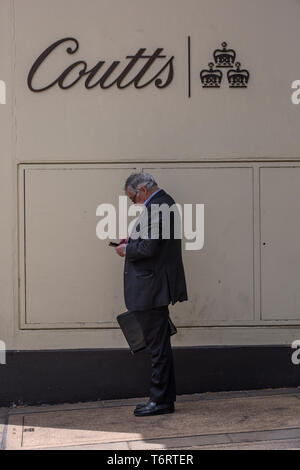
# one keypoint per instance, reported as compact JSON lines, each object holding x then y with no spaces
{"x":139,"y":196}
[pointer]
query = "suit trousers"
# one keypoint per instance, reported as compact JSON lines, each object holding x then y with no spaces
{"x":155,"y":326}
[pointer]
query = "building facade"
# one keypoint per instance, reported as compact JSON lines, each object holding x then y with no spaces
{"x":203,"y":95}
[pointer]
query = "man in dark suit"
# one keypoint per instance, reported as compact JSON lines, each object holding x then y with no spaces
{"x":153,"y":278}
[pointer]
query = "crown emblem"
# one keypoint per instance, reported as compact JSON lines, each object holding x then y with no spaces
{"x":238,"y":78}
{"x":224,"y":57}
{"x":211,"y":78}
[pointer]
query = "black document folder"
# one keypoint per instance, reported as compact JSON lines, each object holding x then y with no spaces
{"x":133,"y":332}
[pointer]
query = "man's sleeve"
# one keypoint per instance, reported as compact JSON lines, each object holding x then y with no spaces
{"x":149,"y":240}
{"x":139,"y":249}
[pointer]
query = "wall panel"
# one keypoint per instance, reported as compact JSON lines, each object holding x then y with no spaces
{"x":70,"y":277}
{"x":220,"y":275}
{"x":280,"y":243}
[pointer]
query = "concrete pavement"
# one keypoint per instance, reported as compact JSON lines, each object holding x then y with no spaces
{"x":266,"y":419}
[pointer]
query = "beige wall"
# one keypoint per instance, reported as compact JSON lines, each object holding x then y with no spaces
{"x":65,"y":152}
{"x":8,"y":247}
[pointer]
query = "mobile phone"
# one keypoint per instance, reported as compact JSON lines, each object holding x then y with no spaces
{"x":113,"y":244}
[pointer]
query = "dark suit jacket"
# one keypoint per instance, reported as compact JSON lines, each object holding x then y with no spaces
{"x":153,"y":270}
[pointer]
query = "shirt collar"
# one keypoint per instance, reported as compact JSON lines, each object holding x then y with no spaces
{"x":151,"y":196}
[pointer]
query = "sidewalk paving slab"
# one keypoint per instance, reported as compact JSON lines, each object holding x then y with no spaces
{"x":293,"y":444}
{"x":202,"y":440}
{"x":212,"y":420}
{"x":3,"y":425}
{"x":109,"y":446}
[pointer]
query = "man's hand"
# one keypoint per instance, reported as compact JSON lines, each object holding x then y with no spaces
{"x":121,"y":250}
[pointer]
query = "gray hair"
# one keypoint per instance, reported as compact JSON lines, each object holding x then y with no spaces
{"x":136,"y":180}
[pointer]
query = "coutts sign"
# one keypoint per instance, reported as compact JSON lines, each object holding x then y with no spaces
{"x":100,"y":74}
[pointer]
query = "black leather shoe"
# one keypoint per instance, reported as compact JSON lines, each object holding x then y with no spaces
{"x":153,"y":408}
{"x":141,"y":405}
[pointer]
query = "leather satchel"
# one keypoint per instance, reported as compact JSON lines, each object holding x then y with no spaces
{"x":133,"y":332}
